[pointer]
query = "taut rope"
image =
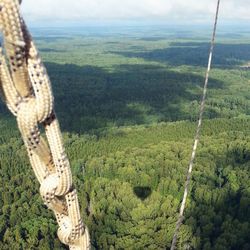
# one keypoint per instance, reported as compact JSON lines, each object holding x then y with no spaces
{"x":197,"y":135}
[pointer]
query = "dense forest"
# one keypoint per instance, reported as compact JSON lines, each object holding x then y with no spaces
{"x":128,"y":105}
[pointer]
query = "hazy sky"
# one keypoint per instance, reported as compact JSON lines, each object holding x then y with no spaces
{"x":127,"y":10}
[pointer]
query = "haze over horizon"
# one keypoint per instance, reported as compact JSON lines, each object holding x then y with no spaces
{"x":133,"y":12}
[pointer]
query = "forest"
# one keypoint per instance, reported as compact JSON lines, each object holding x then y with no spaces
{"x":128,"y":105}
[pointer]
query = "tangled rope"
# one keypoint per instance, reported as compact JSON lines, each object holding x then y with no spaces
{"x":27,"y":92}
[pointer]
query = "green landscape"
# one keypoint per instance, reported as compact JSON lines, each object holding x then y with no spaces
{"x":127,"y":99}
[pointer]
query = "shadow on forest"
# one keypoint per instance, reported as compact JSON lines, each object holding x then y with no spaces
{"x":92,"y":98}
{"x":152,"y":39}
{"x":211,"y":217}
{"x":142,"y":192}
{"x":51,"y":50}
{"x":216,"y":215}
{"x":196,"y":54}
{"x":51,"y":39}
{"x":220,"y":203}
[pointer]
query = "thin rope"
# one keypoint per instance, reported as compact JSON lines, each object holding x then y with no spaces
{"x":197,"y":135}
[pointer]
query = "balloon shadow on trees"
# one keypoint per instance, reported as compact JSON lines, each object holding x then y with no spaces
{"x":142,"y":192}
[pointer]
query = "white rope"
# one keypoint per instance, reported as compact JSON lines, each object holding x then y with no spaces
{"x":27,"y":92}
{"x":197,"y":135}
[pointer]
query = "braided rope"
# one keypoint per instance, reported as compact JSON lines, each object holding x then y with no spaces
{"x":27,"y":92}
{"x":197,"y":135}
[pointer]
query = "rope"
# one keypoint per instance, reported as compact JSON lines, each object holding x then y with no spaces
{"x":27,"y":92}
{"x":197,"y":135}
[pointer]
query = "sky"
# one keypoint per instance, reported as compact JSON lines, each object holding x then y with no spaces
{"x":54,"y":12}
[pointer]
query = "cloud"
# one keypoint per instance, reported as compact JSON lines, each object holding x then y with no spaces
{"x":176,"y":10}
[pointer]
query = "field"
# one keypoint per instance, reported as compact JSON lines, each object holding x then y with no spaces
{"x":127,"y":99}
